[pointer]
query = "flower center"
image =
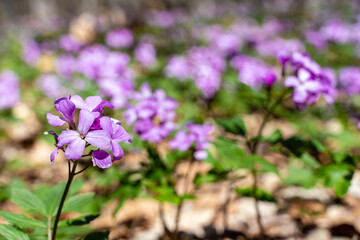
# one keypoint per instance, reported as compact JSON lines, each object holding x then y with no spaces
{"x":82,"y":136}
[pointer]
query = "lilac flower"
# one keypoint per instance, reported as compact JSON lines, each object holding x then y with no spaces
{"x":101,"y":132}
{"x":51,"y":85}
{"x":94,"y":104}
{"x":310,"y":81}
{"x":9,"y":89}
{"x":77,"y":140}
{"x":31,"y":52}
{"x":273,"y":47}
{"x":206,"y":67}
{"x":114,"y":134}
{"x":152,"y":115}
{"x":67,"y":109}
{"x":145,"y":54}
{"x":69,"y":43}
{"x":177,"y":67}
{"x":306,"y":88}
{"x":121,"y":38}
{"x":91,"y":61}
{"x":193,"y":134}
{"x":253,"y":72}
{"x":115,"y":65}
{"x":336,"y":31}
{"x":349,"y":79}
{"x":66,"y":65}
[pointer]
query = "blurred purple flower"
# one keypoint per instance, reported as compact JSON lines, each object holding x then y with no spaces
{"x":31,"y":52}
{"x":91,"y":61}
{"x":177,"y":67}
{"x":9,"y":89}
{"x":152,"y":115}
{"x":66,"y":65}
{"x":94,"y":104}
{"x":121,"y":38}
{"x":193,"y":134}
{"x":145,"y":54}
{"x":253,"y":72}
{"x":51,"y":85}
{"x":69,"y":43}
{"x":349,"y":79}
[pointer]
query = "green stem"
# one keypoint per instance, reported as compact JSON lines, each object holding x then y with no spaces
{"x":253,"y":149}
{"x":61,"y":205}
{"x":179,"y":207}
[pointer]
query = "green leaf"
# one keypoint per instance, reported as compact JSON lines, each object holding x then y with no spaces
{"x":77,"y":202}
{"x":53,"y":199}
{"x":275,"y":137}
{"x":300,"y":176}
{"x":11,"y":233}
{"x":22,"y":221}
{"x":309,"y":160}
{"x":208,"y":178}
{"x":28,"y":201}
{"x":233,"y":125}
{"x":337,"y":176}
{"x":264,"y":165}
{"x":83,"y":220}
{"x":298,"y":146}
{"x":260,"y":194}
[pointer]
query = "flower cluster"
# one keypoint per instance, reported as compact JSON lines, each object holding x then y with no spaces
{"x":92,"y":129}
{"x":152,"y":114}
{"x":253,"y":72}
{"x":349,"y":79}
{"x":9,"y":89}
{"x":193,"y":135}
{"x":202,"y":64}
{"x":145,"y":54}
{"x":121,"y":38}
{"x":310,"y":80}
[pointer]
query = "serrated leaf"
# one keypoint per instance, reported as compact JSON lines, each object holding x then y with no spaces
{"x":28,"y":201}
{"x":22,"y":221}
{"x":233,"y":125}
{"x":77,"y":202}
{"x":11,"y":233}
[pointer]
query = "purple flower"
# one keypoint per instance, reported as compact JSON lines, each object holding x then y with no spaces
{"x":102,"y":159}
{"x":31,"y":52}
{"x":177,"y":67}
{"x":51,"y":85}
{"x":91,"y":61}
{"x":9,"y":89}
{"x":145,"y":54}
{"x":114,"y":134}
{"x":306,"y":88}
{"x":94,"y":104}
{"x":152,"y":115}
{"x":349,"y":79}
{"x":77,"y":140}
{"x":273,"y":47}
{"x":121,"y":38}
{"x":66,"y":65}
{"x":253,"y":72}
{"x":67,"y":109}
{"x":69,"y":43}
{"x":193,"y":134}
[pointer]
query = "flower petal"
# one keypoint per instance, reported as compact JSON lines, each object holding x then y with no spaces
{"x":54,"y":120}
{"x":120,"y":135}
{"x":53,"y":155}
{"x":68,"y":136}
{"x":79,"y":102}
{"x":75,"y":149}
{"x":116,"y":149}
{"x":200,"y":154}
{"x":93,"y":102}
{"x":101,"y":159}
{"x":86,"y":119}
{"x":291,"y":81}
{"x":106,"y":125}
{"x":66,"y":108}
{"x":99,"y":139}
